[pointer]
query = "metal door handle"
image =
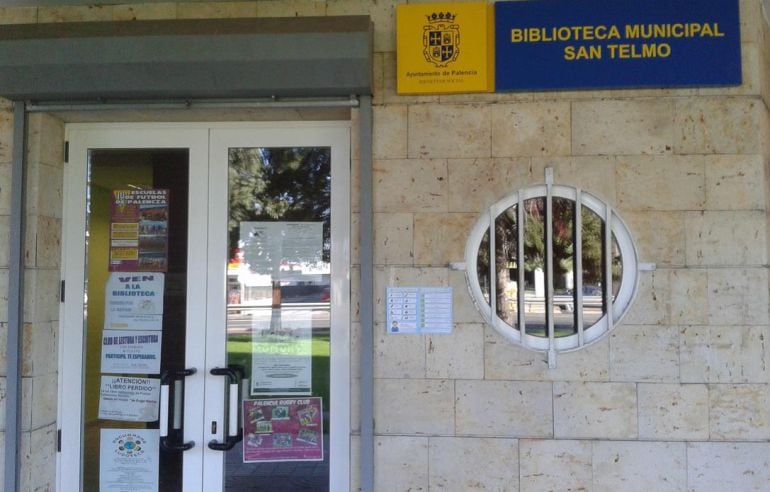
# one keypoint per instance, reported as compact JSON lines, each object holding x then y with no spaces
{"x":234,"y":432}
{"x":177,"y":378}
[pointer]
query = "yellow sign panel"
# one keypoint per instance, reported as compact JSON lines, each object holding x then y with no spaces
{"x":445,"y":48}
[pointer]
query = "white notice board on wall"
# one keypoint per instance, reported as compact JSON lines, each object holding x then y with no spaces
{"x":419,"y":310}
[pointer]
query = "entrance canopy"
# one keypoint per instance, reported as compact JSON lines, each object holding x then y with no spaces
{"x":180,"y":59}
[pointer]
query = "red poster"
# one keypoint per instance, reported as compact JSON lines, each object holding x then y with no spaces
{"x":283,"y":430}
{"x":139,"y":231}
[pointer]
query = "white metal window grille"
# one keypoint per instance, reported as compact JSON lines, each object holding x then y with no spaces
{"x":558,"y":271}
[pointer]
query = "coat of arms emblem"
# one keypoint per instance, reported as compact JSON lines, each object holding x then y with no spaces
{"x":441,"y":39}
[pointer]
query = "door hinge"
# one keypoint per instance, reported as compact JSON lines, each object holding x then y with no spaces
{"x":61,"y":292}
{"x":58,"y":441}
{"x":66,"y":151}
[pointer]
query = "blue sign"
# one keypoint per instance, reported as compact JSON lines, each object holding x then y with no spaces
{"x":592,"y":44}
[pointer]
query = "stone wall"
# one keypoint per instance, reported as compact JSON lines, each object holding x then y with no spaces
{"x":676,"y":397}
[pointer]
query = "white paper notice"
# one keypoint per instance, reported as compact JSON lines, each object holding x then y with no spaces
{"x":131,"y":352}
{"x":281,"y":360}
{"x":130,"y":399}
{"x":129,"y":460}
{"x":268,"y":245}
{"x":134,"y":301}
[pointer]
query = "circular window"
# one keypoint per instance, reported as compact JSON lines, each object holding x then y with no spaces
{"x":551,"y":267}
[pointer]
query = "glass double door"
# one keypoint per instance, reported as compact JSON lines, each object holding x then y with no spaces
{"x":205,"y":343}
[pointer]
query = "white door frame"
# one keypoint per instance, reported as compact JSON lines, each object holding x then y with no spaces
{"x":202,"y":467}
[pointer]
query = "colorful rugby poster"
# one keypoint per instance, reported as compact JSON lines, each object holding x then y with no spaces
{"x":283,"y":430}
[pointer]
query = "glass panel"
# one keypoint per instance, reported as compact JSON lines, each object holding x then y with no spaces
{"x":507,"y":271}
{"x":534,"y":266}
{"x":278,"y":315}
{"x":593,"y":266}
{"x":136,"y":236}
{"x":564,"y":322}
{"x":482,"y":266}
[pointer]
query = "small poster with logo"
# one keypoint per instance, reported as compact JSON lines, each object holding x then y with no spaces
{"x":129,"y":460}
{"x":134,"y":301}
{"x":139,"y":231}
{"x":444,"y":48}
{"x":283,"y":430}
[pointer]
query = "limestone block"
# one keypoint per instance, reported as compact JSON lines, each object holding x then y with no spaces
{"x":400,"y":463}
{"x":403,"y":277}
{"x":215,"y":10}
{"x":5,"y":231}
{"x":18,"y":15}
{"x":43,"y":242}
{"x":658,"y":236}
{"x":25,"y":418}
{"x":146,"y":11}
{"x":40,"y":349}
{"x":378,"y":79}
{"x":45,"y":195}
{"x":41,"y":295}
{"x":464,"y":309}
{"x":651,"y":305}
{"x":505,"y":360}
{"x":42,"y":462}
{"x":673,"y":411}
{"x":414,"y":406}
{"x":728,"y":466}
{"x":291,"y":8}
{"x":355,"y":238}
{"x":459,"y":355}
{"x":658,"y":466}
{"x":739,"y":411}
{"x":389,"y":132}
{"x":531,"y":129}
{"x":393,"y":239}
{"x":737,"y":296}
{"x":355,"y":349}
{"x":594,"y":174}
{"x":439,"y":239}
{"x":644,"y":353}
{"x":724,"y":354}
{"x":465,"y":463}
{"x":44,"y":400}
{"x":5,"y":189}
{"x":410,"y":185}
{"x":459,"y":131}
{"x":75,"y":13}
{"x":382,"y":13}
{"x":751,"y":20}
{"x":398,"y":356}
{"x":6,"y":137}
{"x":504,"y":408}
{"x":660,"y":183}
{"x":726,"y":238}
{"x":689,"y":297}
{"x":595,"y":410}
{"x":607,"y":127}
{"x":475,"y":184}
{"x":734,"y":182}
{"x":3,"y":295}
{"x":555,"y":465}
{"x":717,"y":125}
